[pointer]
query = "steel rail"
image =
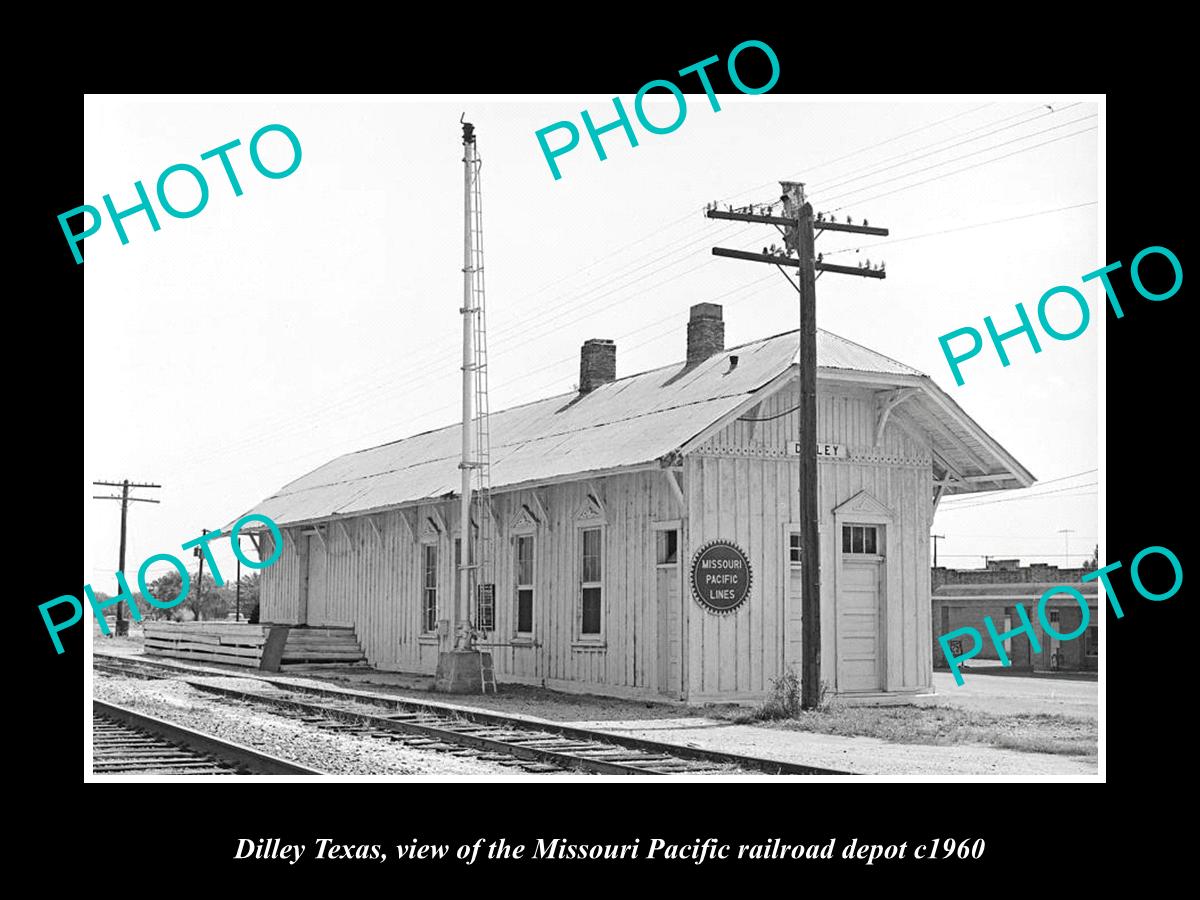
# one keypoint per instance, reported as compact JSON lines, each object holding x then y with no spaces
{"x":171,"y":743}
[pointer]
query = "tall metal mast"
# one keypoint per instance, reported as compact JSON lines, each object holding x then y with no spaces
{"x":459,"y":608}
{"x":475,"y":544}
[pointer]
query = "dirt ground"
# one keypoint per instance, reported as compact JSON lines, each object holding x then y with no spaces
{"x":1004,"y":694}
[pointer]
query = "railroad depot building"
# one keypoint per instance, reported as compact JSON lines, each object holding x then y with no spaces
{"x":962,"y":597}
{"x":603,"y":498}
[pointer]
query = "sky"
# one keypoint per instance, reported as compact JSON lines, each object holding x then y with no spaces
{"x":231,"y":352}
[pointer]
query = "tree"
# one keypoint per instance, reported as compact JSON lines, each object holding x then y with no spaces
{"x":200,"y":601}
{"x":251,"y":587}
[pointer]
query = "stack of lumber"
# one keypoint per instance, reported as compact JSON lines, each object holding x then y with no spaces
{"x":228,"y":643}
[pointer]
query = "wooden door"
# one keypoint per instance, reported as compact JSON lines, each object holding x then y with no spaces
{"x":318,"y":590}
{"x":670,"y":632}
{"x":793,"y":607}
{"x":860,"y":657}
{"x":668,"y":620}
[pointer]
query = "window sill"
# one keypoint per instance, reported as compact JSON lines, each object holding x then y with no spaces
{"x":428,"y":639}
{"x":588,"y":645}
{"x":524,"y":640}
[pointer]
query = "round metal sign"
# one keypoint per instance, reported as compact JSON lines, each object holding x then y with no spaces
{"x":720,"y":576}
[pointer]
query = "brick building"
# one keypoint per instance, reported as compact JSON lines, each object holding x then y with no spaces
{"x":962,"y":597}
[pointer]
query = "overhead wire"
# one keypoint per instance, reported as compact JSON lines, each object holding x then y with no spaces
{"x":709,"y":235}
{"x":1074,"y":487}
{"x":953,"y":159}
{"x":624,"y":273}
{"x":1032,"y":487}
{"x":822,"y":186}
{"x":916,"y":237}
{"x":956,"y":171}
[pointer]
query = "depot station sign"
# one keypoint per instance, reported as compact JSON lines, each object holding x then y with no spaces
{"x":721,"y":576}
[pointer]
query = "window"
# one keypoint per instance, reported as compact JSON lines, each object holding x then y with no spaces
{"x":860,"y":539}
{"x":591,"y":588}
{"x":429,"y":590}
{"x":668,"y":547}
{"x":1093,"y":641}
{"x":525,"y":584}
{"x":794,"y":548}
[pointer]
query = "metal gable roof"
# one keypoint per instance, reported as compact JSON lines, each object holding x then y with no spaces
{"x":628,"y":422}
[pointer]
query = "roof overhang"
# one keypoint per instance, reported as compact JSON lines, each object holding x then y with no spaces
{"x":966,"y":459}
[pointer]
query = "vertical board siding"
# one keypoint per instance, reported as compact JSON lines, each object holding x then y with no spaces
{"x":375,"y":584}
{"x":741,"y":485}
{"x":279,"y":585}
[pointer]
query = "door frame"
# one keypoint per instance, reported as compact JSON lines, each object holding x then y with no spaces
{"x":865,"y":509}
{"x":783,"y":614}
{"x":307,"y":534}
{"x":321,"y":533}
{"x":678,"y":690}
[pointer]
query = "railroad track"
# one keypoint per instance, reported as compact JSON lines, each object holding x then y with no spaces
{"x":532,"y":746}
{"x":125,"y":742}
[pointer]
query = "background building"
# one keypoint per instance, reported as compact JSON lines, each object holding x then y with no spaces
{"x":962,"y":597}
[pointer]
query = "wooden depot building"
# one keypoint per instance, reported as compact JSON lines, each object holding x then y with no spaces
{"x":645,"y":527}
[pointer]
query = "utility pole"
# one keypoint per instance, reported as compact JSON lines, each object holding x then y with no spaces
{"x":936,"y":538}
{"x":798,"y":227}
{"x":200,"y":578}
{"x":237,"y":614}
{"x":122,"y":623}
{"x":1066,"y":533}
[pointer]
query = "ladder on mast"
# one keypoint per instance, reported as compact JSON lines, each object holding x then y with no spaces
{"x":484,"y":614}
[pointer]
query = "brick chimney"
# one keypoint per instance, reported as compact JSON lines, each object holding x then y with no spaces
{"x":597,"y":364}
{"x":705,"y":333}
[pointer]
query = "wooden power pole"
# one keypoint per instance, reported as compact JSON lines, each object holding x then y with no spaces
{"x":936,"y":538}
{"x":122,"y":624}
{"x":799,"y":228}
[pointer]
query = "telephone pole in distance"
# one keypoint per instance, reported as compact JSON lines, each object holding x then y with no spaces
{"x":122,"y":624}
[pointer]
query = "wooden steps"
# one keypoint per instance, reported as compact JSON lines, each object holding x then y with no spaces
{"x":321,"y":646}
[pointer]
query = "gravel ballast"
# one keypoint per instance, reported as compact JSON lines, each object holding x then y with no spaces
{"x":260,"y":729}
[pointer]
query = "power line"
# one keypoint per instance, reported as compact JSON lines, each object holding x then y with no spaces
{"x":1004,"y":553}
{"x":1026,"y":497}
{"x":945,"y":162}
{"x":125,"y":499}
{"x":537,"y":392}
{"x":1033,"y":487}
{"x":363,"y":397}
{"x":882,"y":143}
{"x":964,"y":169}
{"x":358,"y":398}
{"x":821,"y":186}
{"x":917,"y":237}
